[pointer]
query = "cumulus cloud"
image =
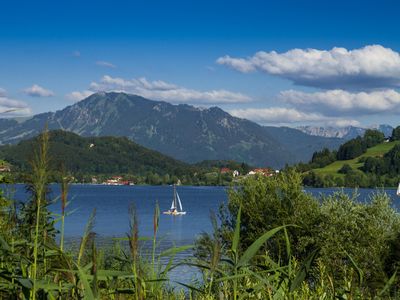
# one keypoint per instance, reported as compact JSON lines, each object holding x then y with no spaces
{"x":77,"y":95}
{"x":161,"y":90}
{"x":289,"y":116}
{"x":105,"y":64}
{"x":372,"y":66}
{"x":340,"y":102}
{"x":38,"y":91}
{"x":12,"y":108}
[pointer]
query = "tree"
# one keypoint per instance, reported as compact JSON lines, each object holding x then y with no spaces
{"x":323,"y":158}
{"x":351,"y":149}
{"x":347,"y":232}
{"x":313,"y":179}
{"x":356,"y":178}
{"x":345,"y":169}
{"x":269,"y":202}
{"x":392,"y":159}
{"x":396,"y":134}
{"x":360,"y":229}
{"x":373,"y":137}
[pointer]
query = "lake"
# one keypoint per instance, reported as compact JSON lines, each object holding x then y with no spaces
{"x":112,"y":205}
{"x":112,"y":208}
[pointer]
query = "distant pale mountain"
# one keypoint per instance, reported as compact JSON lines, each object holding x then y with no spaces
{"x":181,"y":131}
{"x":346,"y":133}
{"x":386,"y":129}
{"x":300,"y":143}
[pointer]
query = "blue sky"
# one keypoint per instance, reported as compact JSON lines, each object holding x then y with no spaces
{"x":205,"y":53}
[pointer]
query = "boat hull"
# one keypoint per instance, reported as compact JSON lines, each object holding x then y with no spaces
{"x":174,"y":213}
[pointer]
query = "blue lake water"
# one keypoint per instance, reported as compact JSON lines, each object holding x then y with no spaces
{"x":112,"y":205}
{"x":112,"y":208}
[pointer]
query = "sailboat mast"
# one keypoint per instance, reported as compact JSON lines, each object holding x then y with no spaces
{"x":175,"y":206}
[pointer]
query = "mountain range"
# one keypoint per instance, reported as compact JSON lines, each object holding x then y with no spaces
{"x":346,"y":133}
{"x":184,"y":132}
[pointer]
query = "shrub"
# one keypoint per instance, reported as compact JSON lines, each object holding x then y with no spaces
{"x":345,"y":169}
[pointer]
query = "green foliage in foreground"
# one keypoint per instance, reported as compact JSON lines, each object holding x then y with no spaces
{"x":345,"y":248}
{"x":273,"y":242}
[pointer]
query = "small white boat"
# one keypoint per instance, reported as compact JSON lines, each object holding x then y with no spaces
{"x":398,"y":190}
{"x":175,"y":210}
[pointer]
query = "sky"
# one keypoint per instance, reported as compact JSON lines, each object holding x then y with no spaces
{"x":282,"y":63}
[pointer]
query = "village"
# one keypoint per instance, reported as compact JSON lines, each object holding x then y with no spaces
{"x":235,"y":174}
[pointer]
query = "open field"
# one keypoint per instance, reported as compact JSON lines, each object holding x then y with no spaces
{"x":333,"y":168}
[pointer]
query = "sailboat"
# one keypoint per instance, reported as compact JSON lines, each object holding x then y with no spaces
{"x":398,"y":190}
{"x":175,"y":210}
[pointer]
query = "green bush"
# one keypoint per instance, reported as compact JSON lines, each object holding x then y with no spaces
{"x":349,"y":233}
{"x":345,"y":169}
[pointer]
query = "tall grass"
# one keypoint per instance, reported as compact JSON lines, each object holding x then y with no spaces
{"x":39,"y":184}
{"x":64,"y":199}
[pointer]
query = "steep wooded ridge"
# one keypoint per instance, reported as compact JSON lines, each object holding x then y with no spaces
{"x":181,"y":131}
{"x":94,"y":155}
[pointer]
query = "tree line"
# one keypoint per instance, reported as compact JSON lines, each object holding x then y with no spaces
{"x":375,"y":171}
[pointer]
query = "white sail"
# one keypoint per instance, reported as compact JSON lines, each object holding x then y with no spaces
{"x":179,"y":201}
{"x":398,"y":190}
{"x":173,"y":205}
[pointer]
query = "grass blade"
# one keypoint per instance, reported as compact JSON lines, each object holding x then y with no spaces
{"x":253,"y":248}
{"x":388,"y":284}
{"x":304,"y":270}
{"x":86,"y":285}
{"x":236,"y":235}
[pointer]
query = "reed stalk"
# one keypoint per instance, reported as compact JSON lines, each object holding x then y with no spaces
{"x":39,"y":184}
{"x":86,"y":236}
{"x":156,"y":218}
{"x":134,"y":249}
{"x":64,"y":195}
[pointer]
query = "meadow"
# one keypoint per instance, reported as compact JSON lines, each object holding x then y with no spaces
{"x":356,"y":163}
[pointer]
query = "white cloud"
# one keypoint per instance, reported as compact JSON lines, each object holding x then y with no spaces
{"x":369,"y":67}
{"x":77,"y":96}
{"x":76,"y":54}
{"x":288,"y":116}
{"x":339,"y":102}
{"x":333,"y":107}
{"x":161,"y":90}
{"x":10,"y":107}
{"x":3,"y":92}
{"x":105,"y":64}
{"x":38,"y":91}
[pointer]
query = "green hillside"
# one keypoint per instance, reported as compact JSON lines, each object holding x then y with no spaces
{"x":95,"y":155}
{"x":367,"y":161}
{"x":103,"y":157}
{"x":356,"y":163}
